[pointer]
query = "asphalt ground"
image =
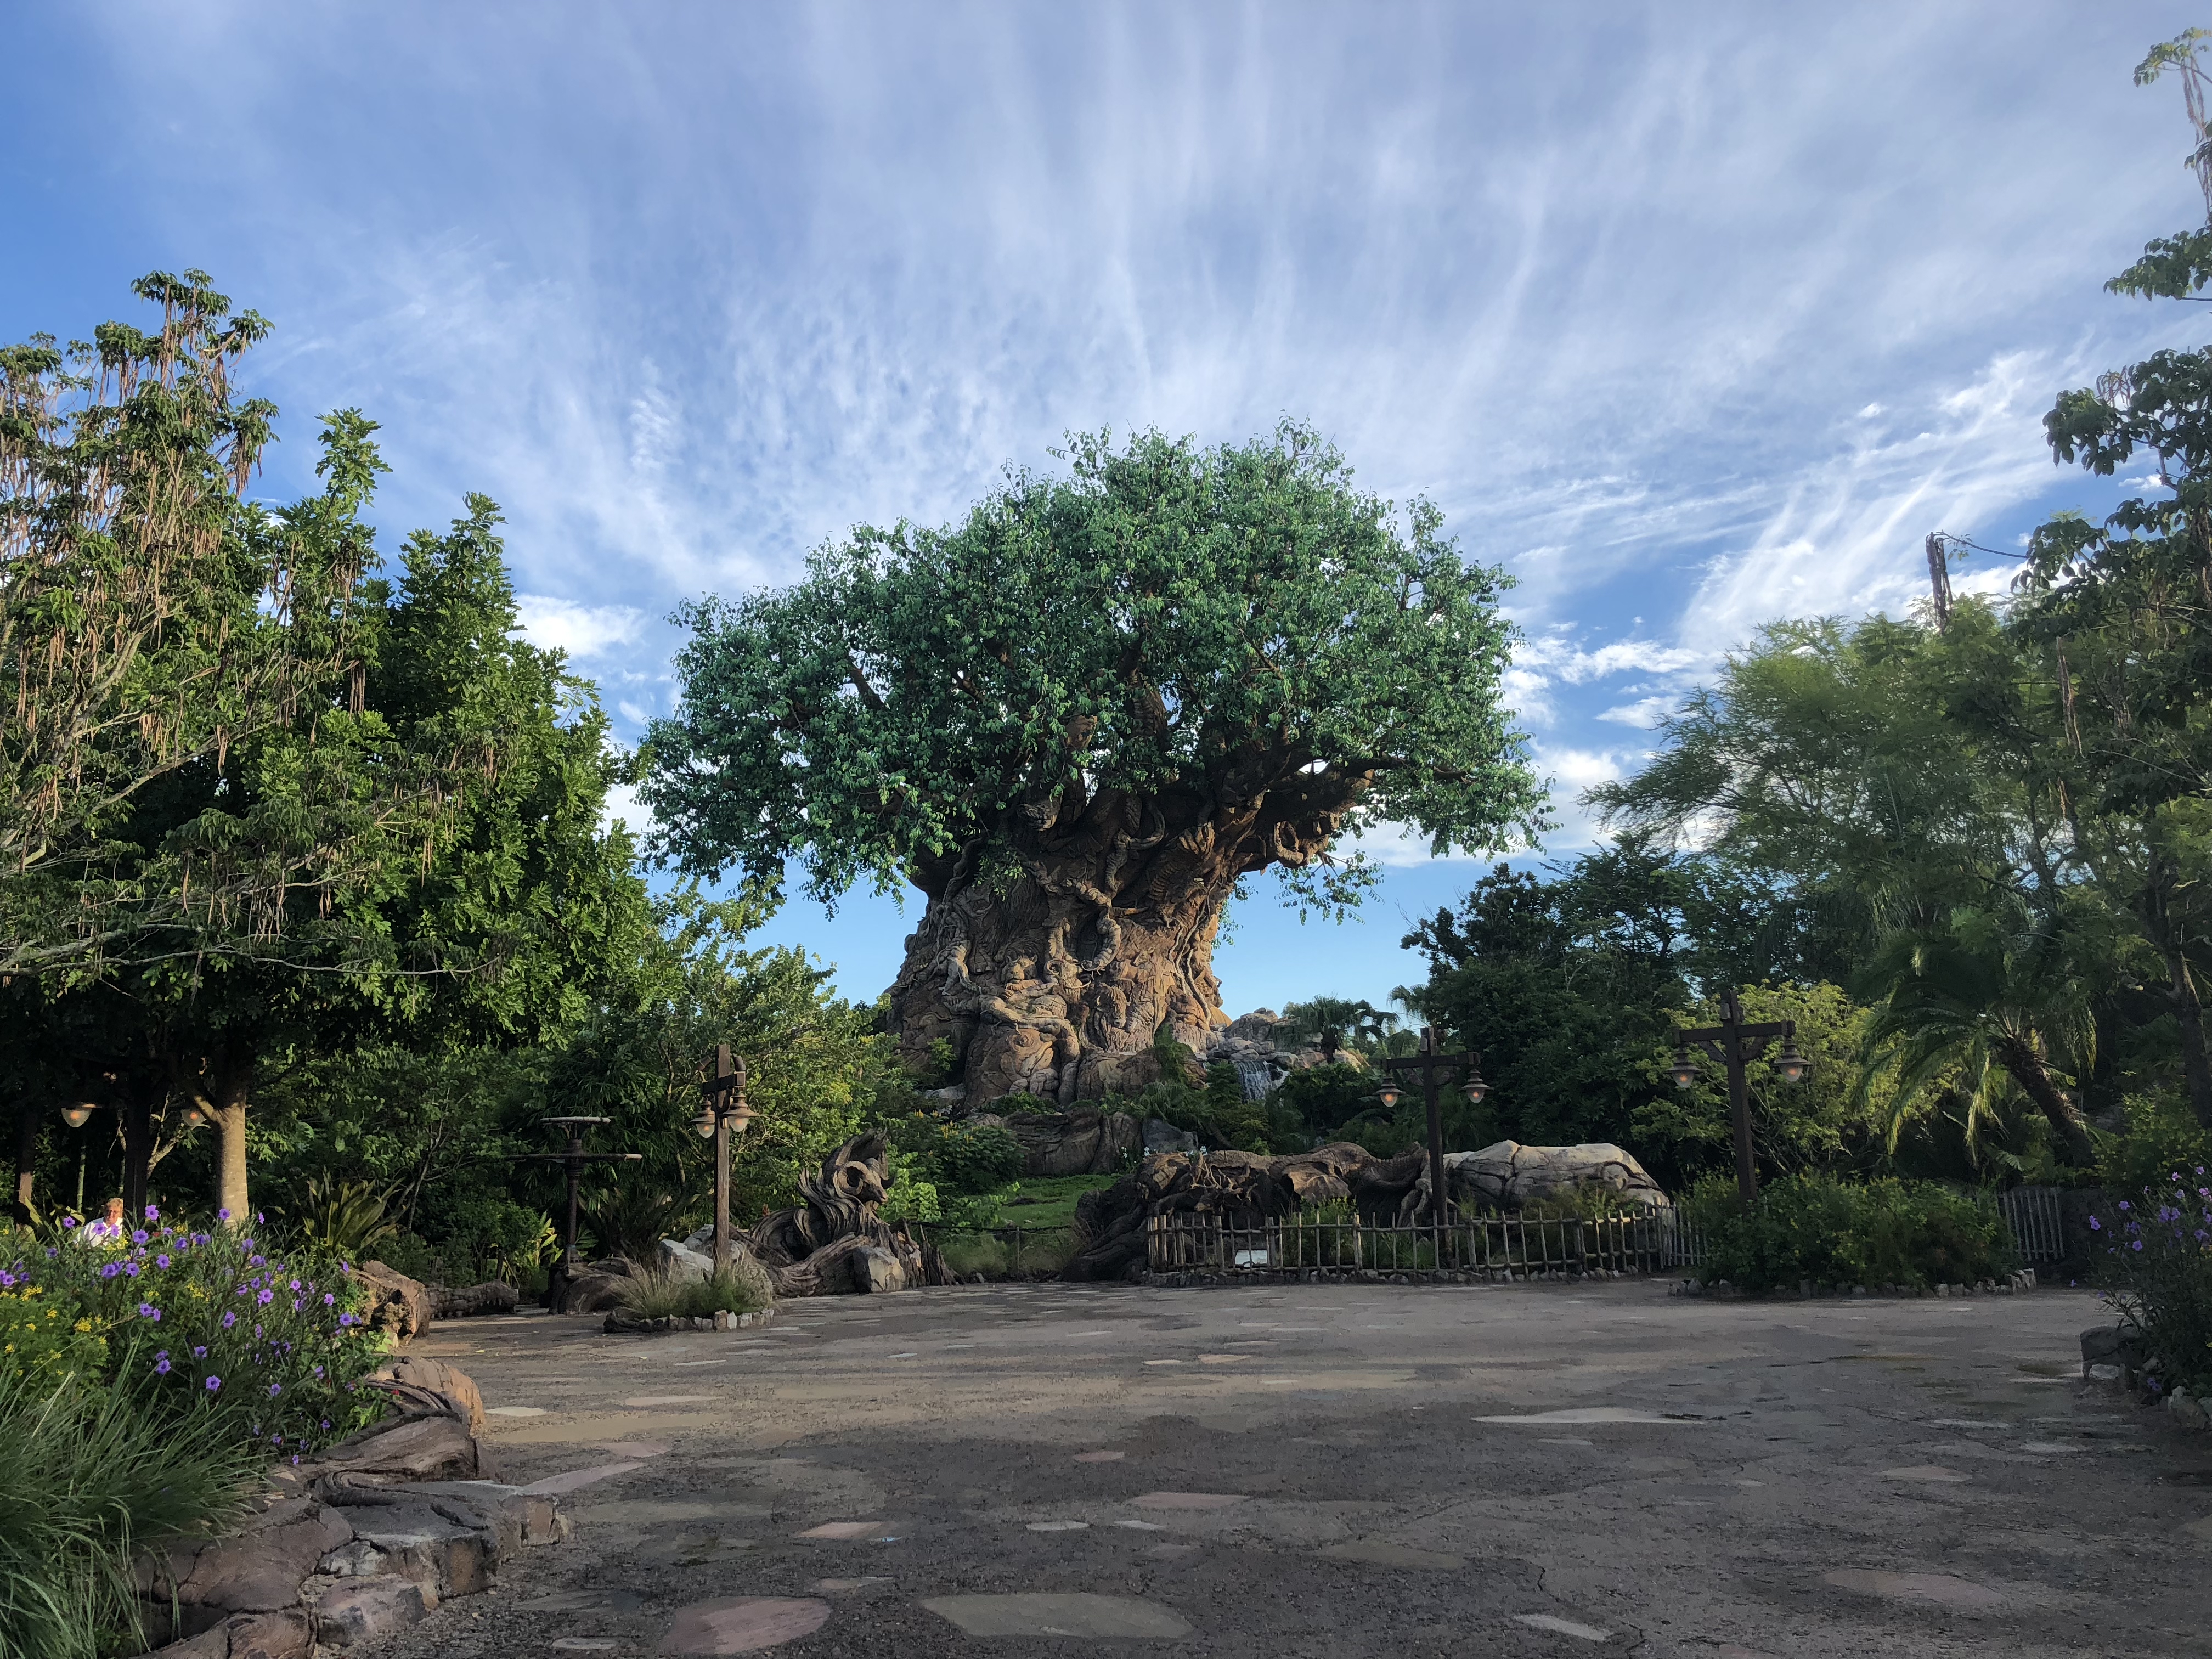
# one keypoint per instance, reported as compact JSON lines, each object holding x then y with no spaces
{"x":1340,"y":1470}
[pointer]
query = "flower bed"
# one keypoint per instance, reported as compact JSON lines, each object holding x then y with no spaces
{"x":2157,"y":1263}
{"x":144,"y":1370}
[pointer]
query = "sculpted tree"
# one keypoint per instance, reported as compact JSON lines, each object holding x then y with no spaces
{"x":1077,"y":718}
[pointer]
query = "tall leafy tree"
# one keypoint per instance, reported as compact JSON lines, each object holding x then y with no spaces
{"x":2124,"y":609}
{"x":153,"y":621}
{"x":1078,"y":718}
{"x":1888,"y":770}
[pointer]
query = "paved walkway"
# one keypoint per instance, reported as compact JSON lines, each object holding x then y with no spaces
{"x":1339,"y":1471}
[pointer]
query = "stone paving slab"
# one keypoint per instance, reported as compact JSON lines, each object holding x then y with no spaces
{"x":1685,"y":1478}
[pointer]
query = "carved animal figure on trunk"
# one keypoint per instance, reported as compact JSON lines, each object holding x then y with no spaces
{"x":833,"y":1241}
{"x":1079,"y":718}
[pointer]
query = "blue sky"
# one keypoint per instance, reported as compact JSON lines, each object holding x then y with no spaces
{"x":1689,"y":316}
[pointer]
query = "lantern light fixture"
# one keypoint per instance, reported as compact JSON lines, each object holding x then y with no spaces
{"x":1684,"y":1071}
{"x":76,"y":1116}
{"x":1388,"y":1094}
{"x":1791,"y":1064}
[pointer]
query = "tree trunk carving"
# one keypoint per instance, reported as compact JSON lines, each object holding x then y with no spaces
{"x":1050,"y":961}
{"x":833,"y":1240}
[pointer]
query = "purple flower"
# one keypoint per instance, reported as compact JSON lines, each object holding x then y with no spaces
{"x":263,"y":1297}
{"x":2096,"y":1226}
{"x":213,"y":1383}
{"x":276,"y":1389}
{"x":329,"y":1300}
{"x":228,"y":1320}
{"x":109,"y":1270}
{"x":152,"y":1213}
{"x":7,"y":1282}
{"x":2139,"y":1243}
{"x":222,"y":1215}
{"x":161,"y":1366}
{"x":2123,"y":1204}
{"x":69,"y":1221}
{"x":199,"y":1353}
{"x":148,"y":1310}
{"x":130,"y":1269}
{"x":344,"y":1320}
{"x":138,"y":1237}
{"x":162,"y":1261}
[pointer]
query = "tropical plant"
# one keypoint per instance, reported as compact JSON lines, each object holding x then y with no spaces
{"x":346,"y":1218}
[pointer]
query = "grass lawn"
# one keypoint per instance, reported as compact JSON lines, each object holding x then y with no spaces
{"x":1049,"y":1202}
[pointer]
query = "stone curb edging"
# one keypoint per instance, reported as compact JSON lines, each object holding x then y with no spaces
{"x":2016,"y":1283}
{"x":1204,"y":1278}
{"x":622,"y":1324}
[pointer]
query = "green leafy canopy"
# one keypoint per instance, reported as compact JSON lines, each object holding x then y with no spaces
{"x":1224,"y":630}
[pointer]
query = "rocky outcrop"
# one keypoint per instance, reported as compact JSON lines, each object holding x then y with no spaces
{"x":1078,"y":1142}
{"x":449,"y":1382}
{"x":695,"y":1259}
{"x":398,"y":1306}
{"x":1511,"y":1177}
{"x":597,"y":1287}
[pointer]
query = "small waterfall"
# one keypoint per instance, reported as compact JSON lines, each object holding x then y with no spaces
{"x":1256,"y":1078}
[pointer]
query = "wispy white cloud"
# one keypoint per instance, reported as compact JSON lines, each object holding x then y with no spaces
{"x":581,"y":630}
{"x":1690,"y":321}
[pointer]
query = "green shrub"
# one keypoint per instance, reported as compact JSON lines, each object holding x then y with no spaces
{"x":44,"y":1337}
{"x":2163,"y":1140}
{"x":91,"y":1481}
{"x":2158,"y":1262}
{"x":1832,"y":1232}
{"x":910,"y":1200}
{"x":978,"y":1159}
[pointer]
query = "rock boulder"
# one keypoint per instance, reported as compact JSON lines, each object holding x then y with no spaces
{"x":1509,"y":1176}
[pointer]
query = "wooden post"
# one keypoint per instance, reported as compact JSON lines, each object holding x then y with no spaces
{"x":722,"y":1073}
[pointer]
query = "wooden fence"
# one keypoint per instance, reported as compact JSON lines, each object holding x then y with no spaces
{"x":1309,"y":1241}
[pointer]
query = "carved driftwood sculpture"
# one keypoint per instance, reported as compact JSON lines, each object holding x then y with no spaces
{"x":833,"y":1242}
{"x":1504,"y":1177}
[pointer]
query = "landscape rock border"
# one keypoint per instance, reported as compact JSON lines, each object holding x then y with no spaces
{"x":619,"y":1323}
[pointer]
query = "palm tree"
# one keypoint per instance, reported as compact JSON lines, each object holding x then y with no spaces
{"x":1989,"y":998}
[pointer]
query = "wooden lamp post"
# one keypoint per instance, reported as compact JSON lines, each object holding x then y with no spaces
{"x":1431,"y":1067}
{"x":1735,"y":1043}
{"x":722,"y":1102}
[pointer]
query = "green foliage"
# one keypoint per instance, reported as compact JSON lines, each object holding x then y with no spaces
{"x":2159,"y":1139}
{"x":971,"y":1160}
{"x":93,"y":1480}
{"x":1322,"y":1099}
{"x":1219,"y":1121}
{"x":346,"y":1218}
{"x":45,"y":1337}
{"x":1824,"y":1124}
{"x":1162,"y":614}
{"x":1833,"y":1233}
